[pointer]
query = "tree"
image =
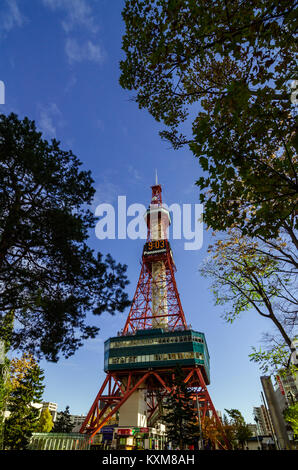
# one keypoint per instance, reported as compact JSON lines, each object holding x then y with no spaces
{"x":6,"y":329}
{"x":45,"y":423}
{"x":217,"y":75}
{"x":49,"y":277}
{"x":274,"y":357}
{"x":63,"y":424}
{"x":229,"y":430}
{"x":179,"y":414}
{"x":212,"y":432}
{"x":243,"y":434}
{"x":241,"y":431}
{"x":26,"y":389}
{"x":291,"y":416}
{"x":246,"y":277}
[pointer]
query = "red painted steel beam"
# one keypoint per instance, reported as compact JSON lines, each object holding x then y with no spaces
{"x":123,"y":400}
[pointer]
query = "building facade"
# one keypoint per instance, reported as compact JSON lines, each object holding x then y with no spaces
{"x":263,"y":421}
{"x":52,"y":407}
{"x":287,"y":389}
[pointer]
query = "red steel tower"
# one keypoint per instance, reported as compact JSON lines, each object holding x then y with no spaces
{"x":140,"y":361}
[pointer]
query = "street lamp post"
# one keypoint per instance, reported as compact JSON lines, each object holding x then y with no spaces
{"x":199,"y":415}
{"x":256,"y":420}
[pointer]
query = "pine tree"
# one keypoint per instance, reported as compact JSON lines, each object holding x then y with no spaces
{"x":179,"y":414}
{"x":63,"y":423}
{"x":26,"y":388}
{"x":49,"y":275}
{"x":45,"y":423}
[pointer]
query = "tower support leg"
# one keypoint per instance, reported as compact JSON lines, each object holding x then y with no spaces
{"x":117,"y":388}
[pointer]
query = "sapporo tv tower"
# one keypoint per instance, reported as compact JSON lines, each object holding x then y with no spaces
{"x":140,"y":362}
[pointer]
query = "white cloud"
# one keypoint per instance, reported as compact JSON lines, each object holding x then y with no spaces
{"x":134,"y":172}
{"x":78,"y":52}
{"x":94,"y":52}
{"x":106,"y":192}
{"x":49,"y":119}
{"x":78,"y":14}
{"x":11,"y":17}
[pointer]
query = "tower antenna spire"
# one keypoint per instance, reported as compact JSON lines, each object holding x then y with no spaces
{"x":156,"y":178}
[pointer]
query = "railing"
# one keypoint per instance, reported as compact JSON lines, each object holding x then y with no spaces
{"x":165,"y":329}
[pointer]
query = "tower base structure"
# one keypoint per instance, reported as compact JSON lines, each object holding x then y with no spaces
{"x":139,"y":372}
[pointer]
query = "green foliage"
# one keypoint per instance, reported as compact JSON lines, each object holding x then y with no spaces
{"x":243,"y":434}
{"x":49,"y":276}
{"x":236,"y":417}
{"x":45,"y":423}
{"x":218,"y":76}
{"x":275,"y":358}
{"x":4,"y":394}
{"x":239,"y":429}
{"x":179,"y":415}
{"x":23,"y":418}
{"x":6,"y":329}
{"x":291,"y":416}
{"x":63,"y":423}
{"x":222,"y":70}
{"x":245,"y":277}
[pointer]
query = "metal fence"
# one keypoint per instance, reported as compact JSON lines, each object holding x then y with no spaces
{"x":59,"y":441}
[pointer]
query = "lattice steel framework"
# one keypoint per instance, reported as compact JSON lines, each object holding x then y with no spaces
{"x":147,"y":313}
{"x":141,"y":313}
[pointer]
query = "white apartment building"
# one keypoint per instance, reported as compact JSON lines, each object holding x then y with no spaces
{"x":263,"y":421}
{"x":77,"y":421}
{"x":52,"y":407}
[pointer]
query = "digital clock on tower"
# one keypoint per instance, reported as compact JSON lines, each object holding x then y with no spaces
{"x":155,"y":246}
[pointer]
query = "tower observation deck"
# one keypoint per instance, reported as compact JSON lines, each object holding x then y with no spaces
{"x":157,"y":348}
{"x":139,"y":363}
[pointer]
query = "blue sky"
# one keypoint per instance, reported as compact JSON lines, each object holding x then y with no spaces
{"x":59,"y":60}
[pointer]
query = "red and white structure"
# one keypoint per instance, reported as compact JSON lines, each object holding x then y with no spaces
{"x":140,"y":363}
